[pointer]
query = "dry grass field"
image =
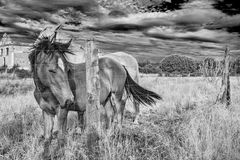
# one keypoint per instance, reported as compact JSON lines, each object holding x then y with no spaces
{"x":186,"y":125}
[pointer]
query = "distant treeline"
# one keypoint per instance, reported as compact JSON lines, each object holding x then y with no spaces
{"x":176,"y":65}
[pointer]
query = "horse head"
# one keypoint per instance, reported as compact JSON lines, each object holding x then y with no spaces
{"x":46,"y":71}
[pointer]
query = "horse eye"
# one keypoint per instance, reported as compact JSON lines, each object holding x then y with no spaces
{"x":52,"y":71}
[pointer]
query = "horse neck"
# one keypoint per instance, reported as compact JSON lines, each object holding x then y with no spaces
{"x":71,"y":66}
{"x":39,"y":65}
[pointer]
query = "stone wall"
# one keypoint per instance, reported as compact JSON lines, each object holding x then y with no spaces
{"x":7,"y":55}
{"x":21,"y":56}
{"x":17,"y":55}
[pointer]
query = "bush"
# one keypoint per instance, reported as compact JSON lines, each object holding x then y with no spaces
{"x":3,"y":69}
{"x":235,"y":67}
{"x":148,"y":67}
{"x":22,"y":73}
{"x":15,"y":72}
{"x":13,"y":69}
{"x":212,"y":68}
{"x":179,"y":65}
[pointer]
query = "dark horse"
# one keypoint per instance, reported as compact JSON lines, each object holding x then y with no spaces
{"x":52,"y":91}
{"x":114,"y":81}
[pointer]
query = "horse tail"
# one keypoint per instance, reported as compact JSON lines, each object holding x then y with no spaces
{"x":140,"y":94}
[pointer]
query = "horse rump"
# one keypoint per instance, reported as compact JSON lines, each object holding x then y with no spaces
{"x":139,"y":93}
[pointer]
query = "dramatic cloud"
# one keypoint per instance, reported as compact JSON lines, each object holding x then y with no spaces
{"x":132,"y":22}
{"x":36,"y":7}
{"x":198,"y":20}
{"x":200,"y":35}
{"x":15,"y":12}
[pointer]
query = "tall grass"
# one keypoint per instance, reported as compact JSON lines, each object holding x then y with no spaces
{"x":187,"y":124}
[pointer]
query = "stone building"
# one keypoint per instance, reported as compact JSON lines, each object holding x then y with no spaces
{"x":14,"y":52}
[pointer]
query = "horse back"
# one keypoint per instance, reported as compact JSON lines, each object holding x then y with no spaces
{"x":113,"y":72}
{"x":112,"y":77}
{"x":128,"y":61}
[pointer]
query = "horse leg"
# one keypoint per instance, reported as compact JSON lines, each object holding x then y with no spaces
{"x":109,"y":114}
{"x":123,"y":102}
{"x":122,"y":108}
{"x":113,"y":106}
{"x":116,"y":103}
{"x":137,"y":111}
{"x":81,"y":120}
{"x":48,"y":128}
{"x":62,"y":126}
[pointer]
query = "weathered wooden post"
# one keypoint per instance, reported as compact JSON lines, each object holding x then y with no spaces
{"x":225,"y":94}
{"x":93,"y":98}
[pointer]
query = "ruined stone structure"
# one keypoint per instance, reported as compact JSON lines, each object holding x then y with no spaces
{"x":14,"y":53}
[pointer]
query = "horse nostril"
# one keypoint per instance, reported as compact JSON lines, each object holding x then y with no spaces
{"x":52,"y":71}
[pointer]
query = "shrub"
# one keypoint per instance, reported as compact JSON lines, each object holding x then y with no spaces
{"x":178,"y":64}
{"x":13,"y":69}
{"x":3,"y":69}
{"x":211,"y":67}
{"x":235,"y":67}
{"x":148,"y":67}
{"x":14,"y":72}
{"x":22,"y":73}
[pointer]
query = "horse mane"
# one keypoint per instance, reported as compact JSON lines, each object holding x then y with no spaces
{"x":44,"y":44}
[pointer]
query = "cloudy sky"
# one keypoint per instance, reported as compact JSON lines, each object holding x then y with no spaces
{"x":197,"y":20}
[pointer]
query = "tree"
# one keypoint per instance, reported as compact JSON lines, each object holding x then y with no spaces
{"x":211,"y":67}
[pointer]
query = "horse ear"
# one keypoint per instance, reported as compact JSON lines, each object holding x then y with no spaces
{"x":43,"y":31}
{"x":53,"y":37}
{"x":58,"y":27}
{"x":39,"y":36}
{"x":68,"y":43}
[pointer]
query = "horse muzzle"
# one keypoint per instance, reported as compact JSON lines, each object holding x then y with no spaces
{"x":67,"y":104}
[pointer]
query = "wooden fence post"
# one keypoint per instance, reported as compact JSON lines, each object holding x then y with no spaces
{"x":225,"y":94}
{"x":93,"y":98}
